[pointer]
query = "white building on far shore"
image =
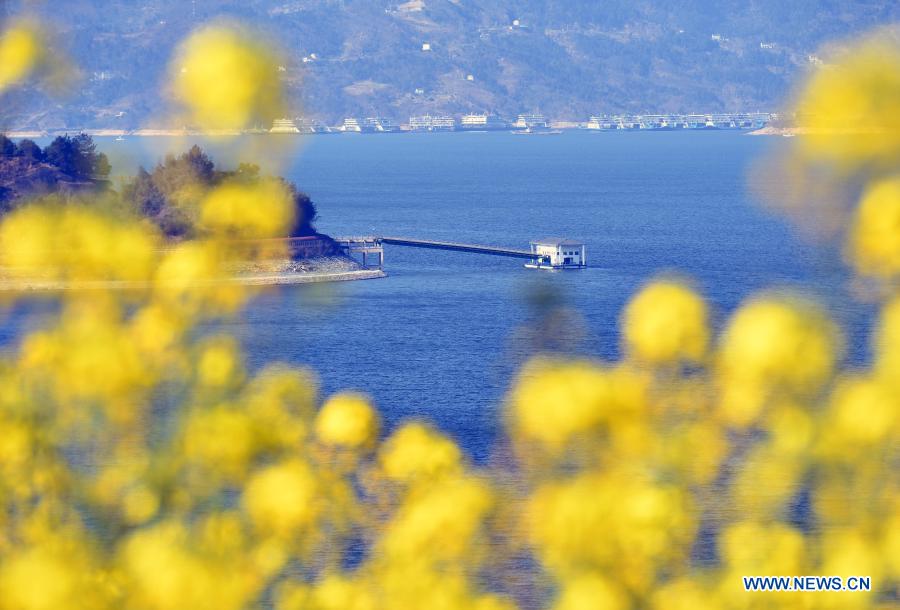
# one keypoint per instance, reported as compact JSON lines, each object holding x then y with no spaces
{"x":531,"y":121}
{"x":481,"y":122}
{"x":284,"y":126}
{"x":432,"y":123}
{"x":351,"y":125}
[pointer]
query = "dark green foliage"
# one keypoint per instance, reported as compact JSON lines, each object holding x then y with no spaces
{"x":144,"y":193}
{"x":68,"y":164}
{"x":77,"y":157}
{"x":7,"y":147}
{"x":30,"y":151}
{"x":306,"y":213}
{"x":166,"y":195}
{"x":6,"y":199}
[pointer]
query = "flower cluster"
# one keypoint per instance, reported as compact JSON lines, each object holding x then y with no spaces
{"x":143,"y":465}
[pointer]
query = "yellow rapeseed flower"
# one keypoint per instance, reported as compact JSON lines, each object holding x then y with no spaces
{"x":41,"y":578}
{"x":219,"y":365}
{"x":204,"y":441}
{"x":755,"y":548}
{"x":552,"y":402}
{"x":848,"y":108}
{"x":875,"y":238}
{"x":21,"y":52}
{"x":666,"y":322}
{"x":686,"y":594}
{"x":864,"y":412}
{"x":639,"y":523}
{"x":166,"y":570}
{"x":347,"y":420}
{"x":249,"y":210}
{"x":140,"y":505}
{"x":416,"y":452}
{"x":440,"y":523}
{"x":282,"y":499}
{"x":887,"y":342}
{"x":227,"y":79}
{"x":773,"y":343}
{"x":336,"y":593}
{"x":591,"y":592}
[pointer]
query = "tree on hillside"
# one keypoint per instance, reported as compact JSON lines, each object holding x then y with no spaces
{"x":306,"y":214}
{"x":77,"y":157}
{"x":150,"y":201}
{"x":169,"y":195}
{"x":68,"y":164}
{"x":189,"y":170}
{"x":7,"y":146}
{"x":30,"y":151}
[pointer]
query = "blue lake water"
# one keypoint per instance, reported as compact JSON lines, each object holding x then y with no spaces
{"x":443,"y":335}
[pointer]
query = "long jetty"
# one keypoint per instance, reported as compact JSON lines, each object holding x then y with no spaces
{"x":374,"y":245}
{"x":447,"y":245}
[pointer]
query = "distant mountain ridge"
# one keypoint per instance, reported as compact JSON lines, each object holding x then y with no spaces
{"x":565,"y":58}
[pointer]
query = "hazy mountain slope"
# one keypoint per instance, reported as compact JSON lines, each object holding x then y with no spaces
{"x":568,"y":58}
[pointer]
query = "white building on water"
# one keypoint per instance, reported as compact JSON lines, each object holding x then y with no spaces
{"x":558,"y":254}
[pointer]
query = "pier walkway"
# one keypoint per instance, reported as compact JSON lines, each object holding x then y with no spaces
{"x":369,"y":245}
{"x":446,"y":245}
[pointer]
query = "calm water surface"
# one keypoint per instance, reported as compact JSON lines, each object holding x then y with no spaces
{"x":442,"y":336}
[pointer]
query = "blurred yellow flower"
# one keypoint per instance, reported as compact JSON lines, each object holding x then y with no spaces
{"x":255,"y":210}
{"x":751,"y":548}
{"x":849,"y":550}
{"x":666,"y":322}
{"x":773,"y":343}
{"x":439,"y":523}
{"x":166,"y":570}
{"x":639,"y":523}
{"x":686,"y":594}
{"x":875,"y":237}
{"x":219,"y":365}
{"x":887,"y":343}
{"x":227,"y":79}
{"x":140,"y":505}
{"x":552,"y":402}
{"x":591,"y":592}
{"x":21,"y":52}
{"x":282,"y":499}
{"x":415,"y":451}
{"x":42,"y":578}
{"x":347,"y":420}
{"x":863,"y":413}
{"x":205,"y":445}
{"x":891,"y":545}
{"x":332,"y":593}
{"x":97,"y":246}
{"x":848,"y":107}
{"x":142,"y":467}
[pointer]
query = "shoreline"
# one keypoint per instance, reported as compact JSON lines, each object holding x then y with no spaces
{"x":278,"y":279}
{"x":806,"y":131}
{"x":565,"y":126}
